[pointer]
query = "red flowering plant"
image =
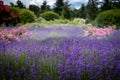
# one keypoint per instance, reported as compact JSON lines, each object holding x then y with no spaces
{"x":7,"y":16}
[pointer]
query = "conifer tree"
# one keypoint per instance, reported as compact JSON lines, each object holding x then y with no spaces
{"x":66,"y":10}
{"x":20,"y":4}
{"x":59,"y":6}
{"x":45,"y":7}
{"x":35,"y":9}
{"x":91,"y":10}
{"x":82,"y":11}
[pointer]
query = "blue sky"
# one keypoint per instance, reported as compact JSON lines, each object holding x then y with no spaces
{"x":74,"y":3}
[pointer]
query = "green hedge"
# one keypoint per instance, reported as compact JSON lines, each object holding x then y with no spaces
{"x":25,"y":15}
{"x":108,"y":18}
{"x":50,"y":15}
{"x":15,"y":9}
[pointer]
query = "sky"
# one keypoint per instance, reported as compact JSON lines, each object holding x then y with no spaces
{"x":74,"y":3}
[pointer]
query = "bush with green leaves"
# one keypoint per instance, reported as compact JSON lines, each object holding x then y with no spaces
{"x":50,"y":15}
{"x":108,"y":18}
{"x":35,"y":24}
{"x":15,"y":9}
{"x":40,"y":22}
{"x":26,"y":16}
{"x":40,"y":19}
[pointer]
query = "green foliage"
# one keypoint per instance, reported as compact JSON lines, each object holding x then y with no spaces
{"x":66,"y":11}
{"x":80,"y":20}
{"x":40,"y":22}
{"x":26,"y":16}
{"x":59,"y":6}
{"x":61,"y":21}
{"x":91,"y":10}
{"x":12,"y":4}
{"x":35,"y":9}
{"x":40,"y":19}
{"x":110,"y":4}
{"x":44,"y":6}
{"x":33,"y":25}
{"x":82,"y":11}
{"x":108,"y":18}
{"x":79,"y":13}
{"x":49,"y":15}
{"x":20,"y":4}
{"x":15,"y":9}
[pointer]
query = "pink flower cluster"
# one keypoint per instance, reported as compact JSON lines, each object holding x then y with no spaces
{"x":16,"y":34}
{"x":99,"y":32}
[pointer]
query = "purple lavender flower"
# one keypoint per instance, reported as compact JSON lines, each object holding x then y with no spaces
{"x":68,"y":57}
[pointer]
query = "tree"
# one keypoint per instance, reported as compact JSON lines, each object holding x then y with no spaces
{"x":66,"y":10}
{"x":20,"y":4}
{"x":106,"y":5}
{"x":59,"y":6}
{"x":116,"y":4}
{"x":82,"y":11}
{"x":45,"y":7}
{"x":91,"y":10}
{"x":12,"y":4}
{"x":35,"y":9}
{"x":74,"y":13}
{"x":110,"y":4}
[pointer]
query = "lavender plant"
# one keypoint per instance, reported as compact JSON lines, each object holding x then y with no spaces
{"x":61,"y":58}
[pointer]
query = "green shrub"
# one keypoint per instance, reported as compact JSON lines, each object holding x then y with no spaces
{"x":15,"y":9}
{"x":34,"y":25}
{"x":26,"y":16}
{"x":40,"y":19}
{"x":61,"y":21}
{"x":50,"y":15}
{"x":80,"y":21}
{"x":108,"y":18}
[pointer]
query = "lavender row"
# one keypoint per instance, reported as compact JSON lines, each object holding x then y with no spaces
{"x":65,"y":58}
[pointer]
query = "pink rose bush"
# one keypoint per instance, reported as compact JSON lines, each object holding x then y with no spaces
{"x":16,"y":34}
{"x":99,"y":33}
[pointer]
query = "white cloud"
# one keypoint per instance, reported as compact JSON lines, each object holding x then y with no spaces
{"x":33,"y":2}
{"x":51,"y":2}
{"x":82,"y":1}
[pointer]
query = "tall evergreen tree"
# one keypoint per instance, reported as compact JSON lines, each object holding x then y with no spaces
{"x":91,"y":10}
{"x":82,"y":11}
{"x":66,"y":10}
{"x":45,"y":7}
{"x":117,"y":4}
{"x":20,"y":4}
{"x":110,"y":4}
{"x":74,"y":13}
{"x":106,"y":5}
{"x":12,"y":4}
{"x":35,"y":9}
{"x":59,"y":6}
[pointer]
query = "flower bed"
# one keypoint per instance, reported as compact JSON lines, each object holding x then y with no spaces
{"x":61,"y":58}
{"x":99,"y":32}
{"x":13,"y":35}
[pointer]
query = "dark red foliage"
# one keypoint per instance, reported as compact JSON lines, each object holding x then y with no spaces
{"x":7,"y":16}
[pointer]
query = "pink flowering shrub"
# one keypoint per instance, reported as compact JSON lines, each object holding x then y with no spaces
{"x":99,"y":32}
{"x":16,"y":34}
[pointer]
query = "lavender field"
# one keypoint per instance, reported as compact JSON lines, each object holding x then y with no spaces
{"x":61,"y":53}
